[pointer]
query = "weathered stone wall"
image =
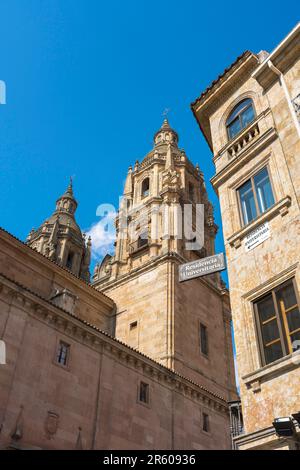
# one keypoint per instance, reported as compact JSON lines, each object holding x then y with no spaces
{"x":168,"y":316}
{"x":33,"y":270}
{"x":97,"y":390}
{"x":273,"y":390}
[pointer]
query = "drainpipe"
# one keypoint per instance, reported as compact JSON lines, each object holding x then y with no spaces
{"x":287,"y":95}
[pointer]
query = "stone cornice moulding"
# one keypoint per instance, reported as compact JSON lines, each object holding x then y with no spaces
{"x":268,"y":372}
{"x":56,"y":268}
{"x":222,"y":152}
{"x":266,"y":433}
{"x":271,"y":283}
{"x":229,"y":80}
{"x":91,"y":336}
{"x":243,"y":157}
{"x":281,"y":207}
{"x":153,"y":263}
{"x":220,"y":90}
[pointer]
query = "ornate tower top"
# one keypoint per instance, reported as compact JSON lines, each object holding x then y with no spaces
{"x":67,"y":202}
{"x":165,"y":135}
{"x":152,"y":220}
{"x":61,"y":239}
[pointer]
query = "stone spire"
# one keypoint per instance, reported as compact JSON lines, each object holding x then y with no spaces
{"x":128,"y":183}
{"x":60,"y":237}
{"x":169,"y":159}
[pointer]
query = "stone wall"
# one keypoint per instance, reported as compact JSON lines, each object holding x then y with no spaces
{"x":168,"y":316}
{"x":273,"y":390}
{"x":92,"y":402}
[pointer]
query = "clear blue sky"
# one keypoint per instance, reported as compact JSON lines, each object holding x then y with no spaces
{"x":87,"y":82}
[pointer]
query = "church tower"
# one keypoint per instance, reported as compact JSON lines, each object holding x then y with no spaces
{"x":60,"y":237}
{"x":185,"y":326}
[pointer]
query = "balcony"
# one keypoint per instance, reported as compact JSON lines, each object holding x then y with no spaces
{"x":236,"y":153}
{"x":243,"y":140}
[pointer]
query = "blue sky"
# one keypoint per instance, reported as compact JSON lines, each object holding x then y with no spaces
{"x":87,"y":83}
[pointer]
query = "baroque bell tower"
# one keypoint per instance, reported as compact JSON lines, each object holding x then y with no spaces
{"x":185,"y":326}
{"x":60,"y":238}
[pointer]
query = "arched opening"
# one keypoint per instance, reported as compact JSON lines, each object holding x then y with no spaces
{"x":69,"y":262}
{"x":145,"y":187}
{"x":239,"y":118}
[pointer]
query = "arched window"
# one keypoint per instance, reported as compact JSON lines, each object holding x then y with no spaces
{"x":69,"y":262}
{"x":145,"y":187}
{"x":240,"y":117}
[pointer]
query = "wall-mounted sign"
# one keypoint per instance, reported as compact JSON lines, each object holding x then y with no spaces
{"x":202,"y":267}
{"x":257,"y":236}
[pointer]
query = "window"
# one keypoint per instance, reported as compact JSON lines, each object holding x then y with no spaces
{"x":63,"y":352}
{"x":205,"y":422}
{"x":255,"y":196}
{"x":143,"y":239}
{"x":278,"y":323}
{"x":69,"y":262}
{"x":203,"y":340}
{"x":240,"y":117}
{"x":144,"y":392}
{"x":145,"y":187}
{"x":133,"y":325}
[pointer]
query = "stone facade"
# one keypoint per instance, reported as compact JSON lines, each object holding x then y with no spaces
{"x":154,"y":311}
{"x":271,"y":140}
{"x":91,"y":398}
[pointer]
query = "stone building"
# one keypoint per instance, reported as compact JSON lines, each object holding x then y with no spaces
{"x":69,"y":383}
{"x":184,"y":326}
{"x":250,"y":119}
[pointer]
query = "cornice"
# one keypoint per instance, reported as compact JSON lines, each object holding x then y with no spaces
{"x":216,"y":83}
{"x":61,"y":270}
{"x":220,"y":90}
{"x":173,"y":256}
{"x":88,"y":334}
{"x":281,"y":207}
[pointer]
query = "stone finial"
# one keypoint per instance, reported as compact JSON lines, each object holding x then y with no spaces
{"x":169,"y":158}
{"x":54,"y":231}
{"x":69,"y":190}
{"x":29,"y":237}
{"x":198,"y":169}
{"x":128,"y":182}
{"x":165,"y":124}
{"x":89,"y":243}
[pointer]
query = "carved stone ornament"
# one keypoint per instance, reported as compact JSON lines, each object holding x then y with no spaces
{"x":51,"y":424}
